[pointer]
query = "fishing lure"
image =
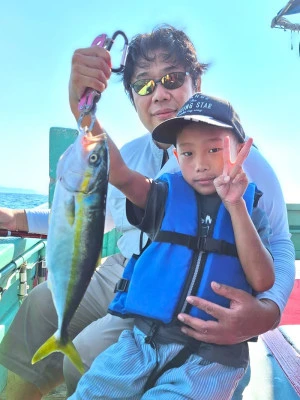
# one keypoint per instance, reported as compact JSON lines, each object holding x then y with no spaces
{"x":89,"y":99}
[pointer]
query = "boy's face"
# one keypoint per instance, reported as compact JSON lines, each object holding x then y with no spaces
{"x":199,"y":150}
{"x":163,"y":103}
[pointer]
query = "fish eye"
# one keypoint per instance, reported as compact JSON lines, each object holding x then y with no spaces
{"x":93,"y":158}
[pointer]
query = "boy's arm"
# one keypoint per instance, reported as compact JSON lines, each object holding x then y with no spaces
{"x":230,"y":186}
{"x":256,"y":260}
{"x":132,"y":184}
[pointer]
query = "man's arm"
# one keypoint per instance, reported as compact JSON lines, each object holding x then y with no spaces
{"x":282,"y":248}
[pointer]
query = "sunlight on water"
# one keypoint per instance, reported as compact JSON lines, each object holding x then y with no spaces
{"x":21,"y":200}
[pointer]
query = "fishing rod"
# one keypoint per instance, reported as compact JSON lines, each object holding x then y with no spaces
{"x":22,"y":234}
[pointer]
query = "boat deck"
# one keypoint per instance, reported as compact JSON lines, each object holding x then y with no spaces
{"x":58,"y":393}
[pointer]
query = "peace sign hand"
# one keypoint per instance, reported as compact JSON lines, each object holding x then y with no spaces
{"x":231,"y":185}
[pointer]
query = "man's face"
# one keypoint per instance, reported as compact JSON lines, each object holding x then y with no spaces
{"x":163,"y":103}
{"x":199,"y":150}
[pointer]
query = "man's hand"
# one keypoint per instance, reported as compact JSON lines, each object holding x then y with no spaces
{"x":247,"y":317}
{"x":91,"y":68}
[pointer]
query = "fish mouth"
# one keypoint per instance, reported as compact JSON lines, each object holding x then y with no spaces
{"x":90,"y":141}
{"x":88,"y":136}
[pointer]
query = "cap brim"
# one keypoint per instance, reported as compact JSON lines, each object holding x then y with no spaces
{"x":167,"y":131}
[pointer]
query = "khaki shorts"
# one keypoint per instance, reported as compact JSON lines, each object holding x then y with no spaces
{"x":92,"y":329}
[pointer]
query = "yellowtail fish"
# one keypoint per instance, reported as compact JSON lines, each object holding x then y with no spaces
{"x":76,"y":229}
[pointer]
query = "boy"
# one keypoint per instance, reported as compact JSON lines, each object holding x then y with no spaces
{"x":195,"y":239}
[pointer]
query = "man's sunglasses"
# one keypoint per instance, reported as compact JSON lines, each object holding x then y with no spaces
{"x":173,"y":80}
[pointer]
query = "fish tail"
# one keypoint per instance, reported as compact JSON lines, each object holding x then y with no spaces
{"x":53,"y":344}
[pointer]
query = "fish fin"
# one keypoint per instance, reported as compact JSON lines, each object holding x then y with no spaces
{"x":52,"y":345}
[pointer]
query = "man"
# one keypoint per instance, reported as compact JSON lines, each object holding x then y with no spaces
{"x":157,"y":94}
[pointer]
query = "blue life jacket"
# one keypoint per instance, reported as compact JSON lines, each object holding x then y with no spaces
{"x":182,"y":260}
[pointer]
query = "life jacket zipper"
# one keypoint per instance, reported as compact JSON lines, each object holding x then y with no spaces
{"x":197,"y":266}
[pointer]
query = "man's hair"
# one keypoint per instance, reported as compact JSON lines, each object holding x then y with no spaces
{"x":176,"y":46}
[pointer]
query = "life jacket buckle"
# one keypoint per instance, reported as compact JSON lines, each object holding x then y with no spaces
{"x":122,"y":285}
{"x":201,"y":240}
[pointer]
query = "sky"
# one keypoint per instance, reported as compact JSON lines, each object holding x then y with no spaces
{"x":252,"y":65}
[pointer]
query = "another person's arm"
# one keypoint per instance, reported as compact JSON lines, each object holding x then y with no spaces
{"x":13,"y":219}
{"x":29,"y":220}
{"x":37,"y":220}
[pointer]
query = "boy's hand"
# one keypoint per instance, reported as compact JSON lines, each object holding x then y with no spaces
{"x":233,"y":182}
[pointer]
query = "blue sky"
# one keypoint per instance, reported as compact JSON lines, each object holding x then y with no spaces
{"x":253,"y":66}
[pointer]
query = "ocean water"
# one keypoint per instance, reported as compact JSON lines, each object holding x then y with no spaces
{"x":21,"y":200}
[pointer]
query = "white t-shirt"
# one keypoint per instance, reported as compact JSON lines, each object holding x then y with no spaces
{"x":144,"y":156}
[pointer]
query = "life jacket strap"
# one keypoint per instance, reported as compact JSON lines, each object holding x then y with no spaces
{"x":175,"y":362}
{"x":197,"y":243}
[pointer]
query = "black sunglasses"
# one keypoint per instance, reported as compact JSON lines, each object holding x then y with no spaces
{"x":173,"y":80}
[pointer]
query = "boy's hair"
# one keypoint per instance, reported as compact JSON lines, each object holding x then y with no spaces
{"x":178,"y":49}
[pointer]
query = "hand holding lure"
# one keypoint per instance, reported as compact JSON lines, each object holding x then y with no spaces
{"x":87,"y":103}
